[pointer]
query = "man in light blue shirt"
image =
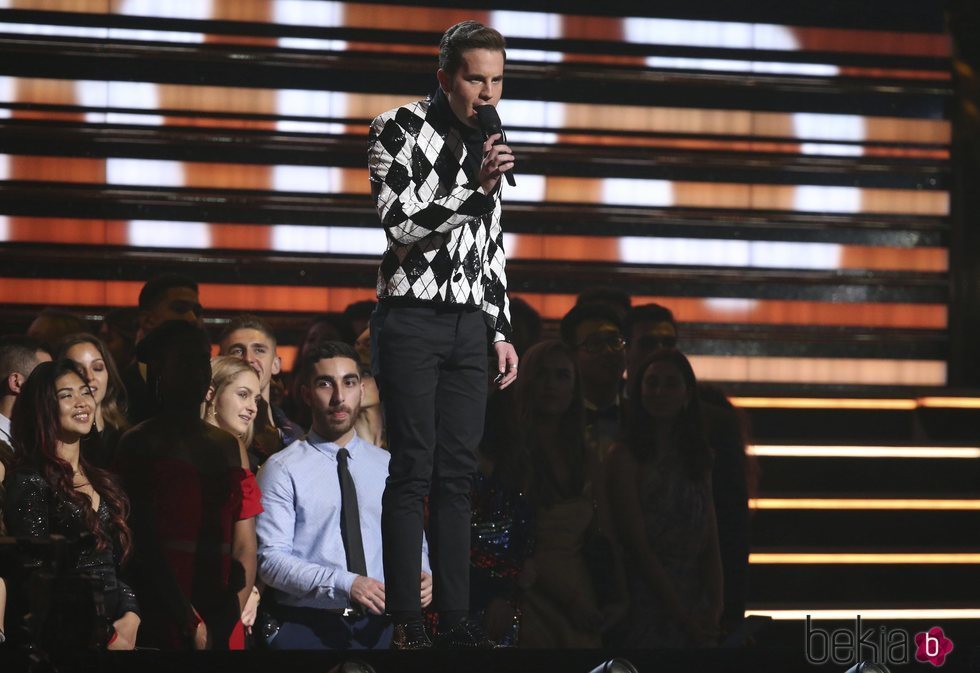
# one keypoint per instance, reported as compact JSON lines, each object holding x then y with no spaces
{"x":319,"y":602}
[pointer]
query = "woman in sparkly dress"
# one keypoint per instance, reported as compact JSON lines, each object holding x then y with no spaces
{"x":55,"y":490}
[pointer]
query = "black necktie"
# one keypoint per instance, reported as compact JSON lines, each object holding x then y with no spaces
{"x":350,"y":518}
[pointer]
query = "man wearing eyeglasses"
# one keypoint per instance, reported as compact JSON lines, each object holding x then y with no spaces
{"x":595,"y":332}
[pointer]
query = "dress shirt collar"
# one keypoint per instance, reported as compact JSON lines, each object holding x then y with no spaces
{"x":5,"y":429}
{"x":330,"y":448}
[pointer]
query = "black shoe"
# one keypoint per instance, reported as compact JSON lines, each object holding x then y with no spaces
{"x":410,"y":636}
{"x":467,"y":635}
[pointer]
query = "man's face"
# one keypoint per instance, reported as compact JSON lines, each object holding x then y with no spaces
{"x":649,"y":337}
{"x":479,"y":80}
{"x":178,"y":303}
{"x":334,"y":395}
{"x":255,"y":348}
{"x":600,"y":351}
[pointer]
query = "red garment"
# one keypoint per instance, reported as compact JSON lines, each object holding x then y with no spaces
{"x":251,"y":495}
{"x":251,"y":505}
{"x":186,"y":488}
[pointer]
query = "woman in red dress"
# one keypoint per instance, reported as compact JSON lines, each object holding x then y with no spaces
{"x":232,"y":403}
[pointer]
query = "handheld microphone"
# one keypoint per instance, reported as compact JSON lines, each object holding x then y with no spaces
{"x":489,"y":121}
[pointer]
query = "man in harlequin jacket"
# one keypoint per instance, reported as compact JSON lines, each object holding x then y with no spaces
{"x":442,"y":290}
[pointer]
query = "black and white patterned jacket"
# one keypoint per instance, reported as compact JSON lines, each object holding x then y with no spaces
{"x":445,"y":243}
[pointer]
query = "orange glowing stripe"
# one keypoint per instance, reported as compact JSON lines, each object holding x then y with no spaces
{"x":524,"y":246}
{"x":863,"y":504}
{"x":188,"y":98}
{"x":848,"y":558}
{"x":799,"y":451}
{"x":70,"y":292}
{"x":562,"y":137}
{"x":849,"y":614}
{"x":852,"y":371}
{"x":317,"y":180}
{"x":569,"y":26}
{"x":859,"y":403}
{"x":950,"y":402}
{"x":821,"y":403}
{"x":219,"y":297}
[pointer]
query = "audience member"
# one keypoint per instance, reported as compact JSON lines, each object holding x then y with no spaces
{"x":55,"y":490}
{"x":184,"y":480}
{"x":359,"y":313}
{"x":594,"y":332}
{"x":19,"y":355}
{"x":562,"y":594}
{"x":99,"y":446}
{"x":163,"y":298}
{"x":502,"y":524}
{"x":232,"y":404}
{"x":526,"y":323}
{"x":650,"y":328}
{"x":52,"y":325}
{"x":614,"y":297}
{"x":319,"y":537}
{"x":660,"y":490}
{"x":324,"y":327}
{"x":250,"y":338}
{"x":118,"y":332}
{"x":370,"y":421}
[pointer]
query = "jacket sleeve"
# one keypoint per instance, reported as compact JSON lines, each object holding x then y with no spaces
{"x":496,"y":305}
{"x":405,"y":186}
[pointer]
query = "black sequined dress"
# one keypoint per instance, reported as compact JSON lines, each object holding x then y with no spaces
{"x":33,"y":510}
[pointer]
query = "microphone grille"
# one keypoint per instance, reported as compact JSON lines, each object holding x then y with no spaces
{"x":489,"y":120}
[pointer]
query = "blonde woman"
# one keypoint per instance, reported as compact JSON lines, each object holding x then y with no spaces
{"x":232,"y":404}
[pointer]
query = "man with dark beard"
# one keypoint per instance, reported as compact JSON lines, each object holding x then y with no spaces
{"x":320,"y":533}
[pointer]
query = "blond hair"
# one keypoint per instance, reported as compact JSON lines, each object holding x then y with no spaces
{"x":224,"y":370}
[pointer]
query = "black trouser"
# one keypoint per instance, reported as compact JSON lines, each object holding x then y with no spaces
{"x":431,"y":363}
{"x":313,"y":629}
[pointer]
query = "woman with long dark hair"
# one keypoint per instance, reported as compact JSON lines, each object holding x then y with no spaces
{"x":554,"y":466}
{"x":660,"y":491}
{"x":108,"y":391}
{"x":55,"y":490}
